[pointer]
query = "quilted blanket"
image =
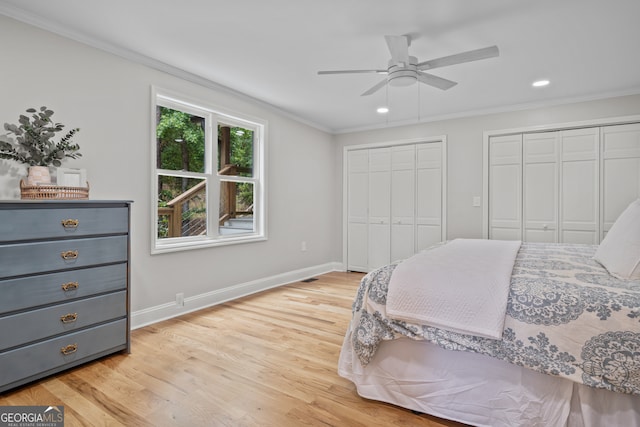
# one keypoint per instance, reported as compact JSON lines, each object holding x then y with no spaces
{"x":462,"y":286}
{"x":566,"y":316}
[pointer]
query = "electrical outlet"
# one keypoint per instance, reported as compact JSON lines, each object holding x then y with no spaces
{"x":476,"y":201}
{"x":180,"y":299}
{"x":303,"y":246}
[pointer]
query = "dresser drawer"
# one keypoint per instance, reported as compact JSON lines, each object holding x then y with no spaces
{"x":38,"y":324}
{"x":47,"y":355}
{"x":38,"y":257}
{"x":32,"y":291}
{"x":29,"y":224}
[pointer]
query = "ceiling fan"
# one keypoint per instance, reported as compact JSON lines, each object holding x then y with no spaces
{"x":404,"y":70}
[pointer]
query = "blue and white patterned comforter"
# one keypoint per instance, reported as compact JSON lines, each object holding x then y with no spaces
{"x":566,"y":316}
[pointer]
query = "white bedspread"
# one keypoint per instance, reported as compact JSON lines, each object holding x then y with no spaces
{"x":462,"y":286}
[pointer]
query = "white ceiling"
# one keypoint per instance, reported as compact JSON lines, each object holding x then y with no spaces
{"x":271,"y":50}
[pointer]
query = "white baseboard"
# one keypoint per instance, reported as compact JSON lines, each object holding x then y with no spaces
{"x":161,"y":312}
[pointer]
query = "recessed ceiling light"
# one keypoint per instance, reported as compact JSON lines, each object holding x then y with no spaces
{"x":382,"y":110}
{"x":540,"y":83}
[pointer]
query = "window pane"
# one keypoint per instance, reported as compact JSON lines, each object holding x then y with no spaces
{"x":235,"y":151}
{"x":180,"y":140}
{"x":182,"y":206}
{"x":236,"y":208}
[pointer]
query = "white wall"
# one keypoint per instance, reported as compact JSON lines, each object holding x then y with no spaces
{"x":109,"y":99}
{"x":464,"y":140}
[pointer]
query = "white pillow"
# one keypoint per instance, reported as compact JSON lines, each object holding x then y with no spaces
{"x":619,"y":251}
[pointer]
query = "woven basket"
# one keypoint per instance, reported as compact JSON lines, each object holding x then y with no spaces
{"x":52,"y":192}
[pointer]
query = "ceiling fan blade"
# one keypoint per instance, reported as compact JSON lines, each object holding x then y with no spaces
{"x":435,"y":81}
{"x":353,"y":72}
{"x":399,"y":48}
{"x":459,"y":58}
{"x":375,"y":88}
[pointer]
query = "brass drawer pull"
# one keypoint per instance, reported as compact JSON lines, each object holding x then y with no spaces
{"x":67,"y":255}
{"x":69,"y":318}
{"x":71,"y":348}
{"x":70,"y":286}
{"x":70,"y":223}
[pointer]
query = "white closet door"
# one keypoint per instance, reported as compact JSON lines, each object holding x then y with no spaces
{"x":620,"y":170}
{"x":379,"y":248}
{"x":540,"y":176}
{"x":357,"y":207}
{"x":505,"y":187}
{"x":429,"y":208}
{"x":403,"y":161}
{"x":579,"y":191}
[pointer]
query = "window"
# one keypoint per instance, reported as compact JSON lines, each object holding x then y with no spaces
{"x":208,"y":183}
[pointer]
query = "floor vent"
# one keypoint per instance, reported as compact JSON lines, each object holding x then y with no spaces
{"x":312,"y":279}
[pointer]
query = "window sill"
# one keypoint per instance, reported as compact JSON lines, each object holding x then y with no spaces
{"x":177,"y":246}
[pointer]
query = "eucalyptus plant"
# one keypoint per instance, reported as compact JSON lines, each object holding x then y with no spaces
{"x":34,"y":143}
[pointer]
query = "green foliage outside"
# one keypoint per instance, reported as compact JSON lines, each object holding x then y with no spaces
{"x":241,"y":156}
{"x":178,"y":132}
{"x":181,"y":146}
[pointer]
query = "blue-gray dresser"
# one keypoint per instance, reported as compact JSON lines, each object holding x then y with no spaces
{"x":64,"y":285}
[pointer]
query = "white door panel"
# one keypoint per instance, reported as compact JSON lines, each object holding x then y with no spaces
{"x":357,"y":210}
{"x":403,"y":196}
{"x":358,"y":203}
{"x":429,"y":195}
{"x":402,"y":241}
{"x":357,"y":247}
{"x":621,"y":170}
{"x":505,"y":187}
{"x":379,"y":207}
{"x":580,"y":186}
{"x":394,"y":203}
{"x":427,"y":236}
{"x":379,"y":251}
{"x":540,"y":192}
{"x":566,"y":186}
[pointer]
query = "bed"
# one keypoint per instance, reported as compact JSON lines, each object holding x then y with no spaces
{"x":568,"y":351}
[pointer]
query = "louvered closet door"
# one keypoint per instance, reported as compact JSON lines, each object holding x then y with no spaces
{"x":540,"y":177}
{"x":579,"y":190}
{"x":357,"y":207}
{"x":403,"y":177}
{"x":429,"y":188}
{"x":620,"y":170}
{"x":505,"y":187}
{"x":379,"y":248}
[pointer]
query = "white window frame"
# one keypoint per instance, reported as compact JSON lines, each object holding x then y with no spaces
{"x":212,"y":115}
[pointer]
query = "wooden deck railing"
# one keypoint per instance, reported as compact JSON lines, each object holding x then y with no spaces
{"x":173,"y":210}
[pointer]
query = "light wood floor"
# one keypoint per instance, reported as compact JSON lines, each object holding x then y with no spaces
{"x":269,"y":359}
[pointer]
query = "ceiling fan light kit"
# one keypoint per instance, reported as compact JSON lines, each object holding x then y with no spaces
{"x":405,"y":70}
{"x":401,"y":74}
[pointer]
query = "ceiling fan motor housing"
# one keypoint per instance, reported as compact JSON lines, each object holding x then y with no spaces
{"x":402,"y":74}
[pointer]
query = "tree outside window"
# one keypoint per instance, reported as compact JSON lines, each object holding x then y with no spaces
{"x":195,"y":203}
